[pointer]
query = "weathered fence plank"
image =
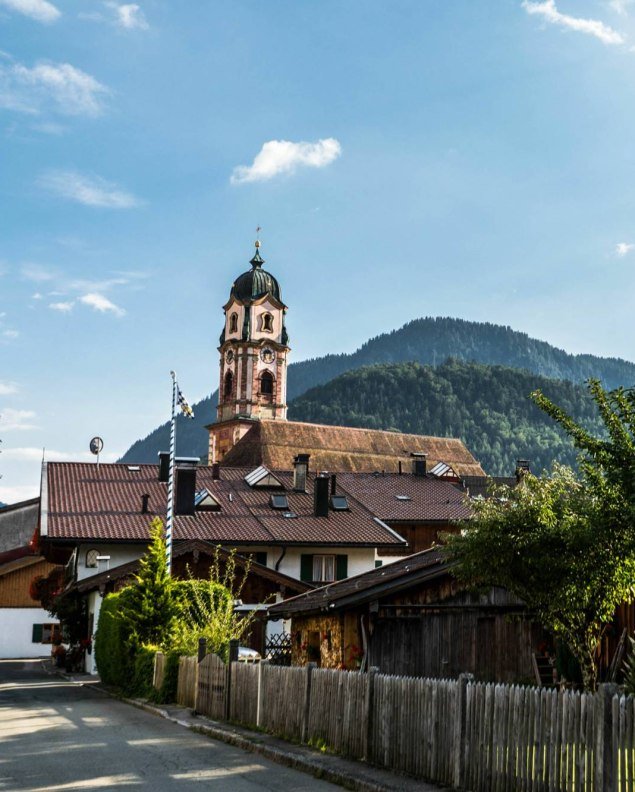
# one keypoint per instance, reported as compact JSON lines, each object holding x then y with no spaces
{"x":187,"y":682}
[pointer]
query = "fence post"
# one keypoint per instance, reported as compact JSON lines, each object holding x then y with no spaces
{"x":460,"y":730}
{"x":261,"y":693}
{"x":155,"y":673}
{"x":367,"y":721}
{"x":605,"y":757}
{"x":202,"y":649}
{"x":307,"y":701}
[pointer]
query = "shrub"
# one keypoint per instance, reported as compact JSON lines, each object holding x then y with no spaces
{"x":143,"y":674}
{"x":167,"y":693}
{"x":112,"y":652}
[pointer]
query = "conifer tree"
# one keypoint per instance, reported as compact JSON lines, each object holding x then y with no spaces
{"x":151,"y":607}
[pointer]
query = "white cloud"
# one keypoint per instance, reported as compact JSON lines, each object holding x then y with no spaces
{"x":129,"y":16}
{"x":64,"y":88}
{"x":593,"y":27}
{"x":62,"y":307}
{"x":623,"y":249}
{"x":621,"y":6}
{"x":8,"y":388}
{"x":16,"y":420}
{"x":11,"y":334}
{"x":36,"y":296}
{"x":37,"y":274}
{"x":101,"y":303}
{"x":283,"y":156}
{"x":30,"y":454}
{"x":87,"y":190}
{"x":18,"y":493}
{"x":40,"y":10}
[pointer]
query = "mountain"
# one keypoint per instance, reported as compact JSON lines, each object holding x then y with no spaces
{"x":427,"y":341}
{"x":488,"y":407}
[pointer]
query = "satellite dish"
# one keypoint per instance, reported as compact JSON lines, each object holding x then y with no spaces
{"x":96,"y":445}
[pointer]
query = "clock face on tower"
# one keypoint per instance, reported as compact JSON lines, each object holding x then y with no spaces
{"x":229,"y":356}
{"x":267,"y":355}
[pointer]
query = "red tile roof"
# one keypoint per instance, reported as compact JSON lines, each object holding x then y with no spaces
{"x":86,"y":502}
{"x":344,"y":448}
{"x":429,"y":499}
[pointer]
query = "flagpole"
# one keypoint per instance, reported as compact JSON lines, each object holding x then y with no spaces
{"x":170,"y":515}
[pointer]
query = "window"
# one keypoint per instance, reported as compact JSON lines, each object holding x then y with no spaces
{"x":323,"y":568}
{"x":279,"y":502}
{"x":339,"y":503}
{"x":46,"y":633}
{"x":91,"y":558}
{"x":233,"y":323}
{"x":260,"y":558}
{"x":267,"y":323}
{"x":229,"y":384}
{"x":266,"y":384}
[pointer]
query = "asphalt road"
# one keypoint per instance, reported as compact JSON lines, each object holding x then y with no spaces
{"x":58,"y":735}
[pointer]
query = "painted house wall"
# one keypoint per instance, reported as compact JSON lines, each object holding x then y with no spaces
{"x":16,"y":632}
{"x":360,"y":559}
{"x":119,"y":554}
{"x":94,"y":608}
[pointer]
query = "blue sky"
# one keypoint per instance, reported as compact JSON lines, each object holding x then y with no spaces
{"x":404,"y":159}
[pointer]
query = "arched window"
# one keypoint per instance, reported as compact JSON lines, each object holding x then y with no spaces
{"x":233,"y":323}
{"x":229,"y":384}
{"x":266,"y":384}
{"x":267,"y":323}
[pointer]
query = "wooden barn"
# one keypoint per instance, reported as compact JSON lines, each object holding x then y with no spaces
{"x":412,"y":617}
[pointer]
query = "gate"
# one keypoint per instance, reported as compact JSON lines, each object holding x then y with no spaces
{"x":278,"y":649}
{"x":211,"y":697}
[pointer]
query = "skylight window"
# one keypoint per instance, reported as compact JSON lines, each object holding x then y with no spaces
{"x":261,"y":477}
{"x":205,"y":501}
{"x":339,"y":503}
{"x":403,"y":497}
{"x":289,"y":515}
{"x":279,"y":502}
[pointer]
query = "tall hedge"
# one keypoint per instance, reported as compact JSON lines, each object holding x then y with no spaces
{"x":112,"y":652}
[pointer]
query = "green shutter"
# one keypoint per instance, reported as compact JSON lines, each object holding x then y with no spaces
{"x":306,"y":567}
{"x":341,"y":569}
{"x":378,"y":563}
{"x":37,"y":633}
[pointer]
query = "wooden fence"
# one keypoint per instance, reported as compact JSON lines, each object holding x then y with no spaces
{"x":459,"y":733}
{"x":188,"y":682}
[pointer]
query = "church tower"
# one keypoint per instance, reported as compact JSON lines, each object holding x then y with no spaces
{"x":253,"y":358}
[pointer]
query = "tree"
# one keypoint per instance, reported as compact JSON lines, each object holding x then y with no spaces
{"x":150,"y":607}
{"x":557,"y":543}
{"x":207,"y":607}
{"x":610,"y":458}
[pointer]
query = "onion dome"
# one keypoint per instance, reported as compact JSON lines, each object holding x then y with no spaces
{"x":256,"y":282}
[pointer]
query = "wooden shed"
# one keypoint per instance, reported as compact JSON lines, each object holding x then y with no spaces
{"x":413,"y":618}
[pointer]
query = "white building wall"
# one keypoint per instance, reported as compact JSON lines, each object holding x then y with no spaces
{"x":119,"y":554}
{"x":360,"y":559}
{"x":94,"y":607}
{"x":16,"y":632}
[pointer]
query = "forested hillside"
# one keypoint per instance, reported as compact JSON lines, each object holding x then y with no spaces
{"x":427,"y":341}
{"x":486,"y":406}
